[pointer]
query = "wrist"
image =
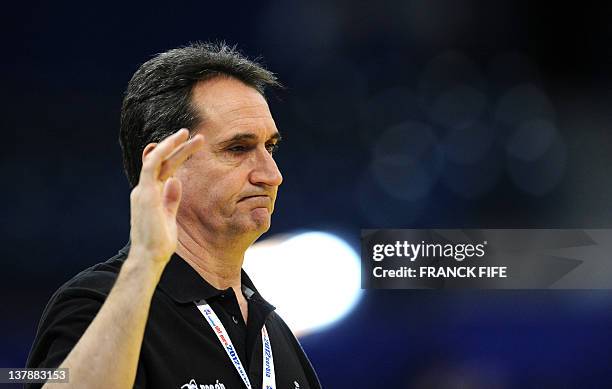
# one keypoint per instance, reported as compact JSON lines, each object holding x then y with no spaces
{"x":143,"y":265}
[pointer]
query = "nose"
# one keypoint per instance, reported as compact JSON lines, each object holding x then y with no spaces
{"x":266,"y":171}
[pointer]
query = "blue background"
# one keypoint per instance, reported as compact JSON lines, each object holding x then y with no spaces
{"x":414,"y":114}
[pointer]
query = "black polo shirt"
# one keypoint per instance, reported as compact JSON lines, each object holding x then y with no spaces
{"x":179,"y":348}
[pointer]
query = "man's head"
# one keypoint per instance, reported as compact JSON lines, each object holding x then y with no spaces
{"x":158,"y":99}
{"x":229,"y":186}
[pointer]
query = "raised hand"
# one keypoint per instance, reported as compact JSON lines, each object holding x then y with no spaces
{"x":155,"y":200}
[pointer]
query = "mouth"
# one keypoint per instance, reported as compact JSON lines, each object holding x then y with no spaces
{"x":257,"y":201}
{"x":254,"y":197}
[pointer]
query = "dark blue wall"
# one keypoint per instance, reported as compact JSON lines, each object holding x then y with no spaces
{"x":402,"y":114}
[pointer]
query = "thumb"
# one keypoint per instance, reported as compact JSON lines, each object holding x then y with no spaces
{"x":172,"y":195}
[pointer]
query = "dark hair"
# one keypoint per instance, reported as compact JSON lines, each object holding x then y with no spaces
{"x":157,"y":100}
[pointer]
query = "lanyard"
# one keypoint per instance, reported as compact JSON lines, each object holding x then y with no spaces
{"x":269,"y":379}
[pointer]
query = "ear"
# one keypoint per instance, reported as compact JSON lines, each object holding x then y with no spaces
{"x":148,"y":148}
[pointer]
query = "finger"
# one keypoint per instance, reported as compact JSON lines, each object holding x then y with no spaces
{"x":177,"y":158}
{"x":154,"y":159}
{"x":172,"y":195}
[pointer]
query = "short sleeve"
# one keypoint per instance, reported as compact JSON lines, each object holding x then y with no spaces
{"x":63,"y":323}
{"x":65,"y":319}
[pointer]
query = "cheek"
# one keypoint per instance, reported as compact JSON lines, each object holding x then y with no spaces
{"x":212,"y":186}
{"x":209,"y":193}
{"x":195,"y":187}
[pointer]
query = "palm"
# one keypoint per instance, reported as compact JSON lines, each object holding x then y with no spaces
{"x":155,"y":200}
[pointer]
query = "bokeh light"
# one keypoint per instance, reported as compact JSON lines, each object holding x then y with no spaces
{"x":312,"y":278}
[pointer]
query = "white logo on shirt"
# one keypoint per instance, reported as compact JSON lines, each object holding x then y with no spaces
{"x":297,"y":386}
{"x":194,"y":385}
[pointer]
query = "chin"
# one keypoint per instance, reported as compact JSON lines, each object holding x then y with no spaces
{"x":254,"y":224}
{"x":261,"y":218}
{"x":262,"y":226}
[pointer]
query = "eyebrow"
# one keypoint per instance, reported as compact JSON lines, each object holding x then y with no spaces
{"x":249,"y":136}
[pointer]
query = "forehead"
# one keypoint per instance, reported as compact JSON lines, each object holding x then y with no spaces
{"x":228,"y":106}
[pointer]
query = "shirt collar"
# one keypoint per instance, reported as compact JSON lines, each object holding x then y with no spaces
{"x":184,"y":285}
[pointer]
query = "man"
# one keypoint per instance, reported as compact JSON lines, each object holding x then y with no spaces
{"x":174,"y":309}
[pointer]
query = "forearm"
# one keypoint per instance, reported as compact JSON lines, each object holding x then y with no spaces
{"x":107,"y":354}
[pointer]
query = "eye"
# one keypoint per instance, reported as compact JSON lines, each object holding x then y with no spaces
{"x":272,"y":148}
{"x":237,"y":149}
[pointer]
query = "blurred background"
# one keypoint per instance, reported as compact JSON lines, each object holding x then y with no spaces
{"x":403,"y":114}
